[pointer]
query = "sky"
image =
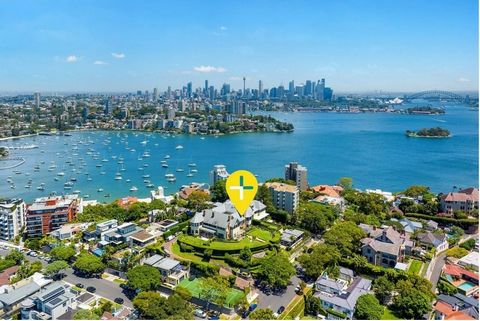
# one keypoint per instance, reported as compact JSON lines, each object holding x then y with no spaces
{"x":131,"y":45}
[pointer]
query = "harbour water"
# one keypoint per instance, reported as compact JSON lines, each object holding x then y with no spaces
{"x":371,"y":148}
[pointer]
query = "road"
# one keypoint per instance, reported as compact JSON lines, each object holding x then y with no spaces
{"x":107,"y":289}
{"x":275,"y":301}
{"x":438,"y":262}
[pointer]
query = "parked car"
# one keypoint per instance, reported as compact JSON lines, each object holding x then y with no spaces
{"x":252,"y":307}
{"x":279,"y":311}
{"x":200,"y":313}
{"x":119,"y":300}
{"x":91,"y":289}
{"x":79,"y":285}
{"x":32,"y":253}
{"x":245,"y":314}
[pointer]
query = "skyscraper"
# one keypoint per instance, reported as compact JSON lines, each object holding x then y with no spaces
{"x":321,"y":89}
{"x":260,"y":88}
{"x":308,"y":88}
{"x":37,"y":100}
{"x":291,"y":87}
{"x":189,"y":89}
{"x":243,"y":92}
{"x":155,"y":93}
{"x":205,"y":90}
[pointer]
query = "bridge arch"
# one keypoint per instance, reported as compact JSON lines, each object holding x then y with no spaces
{"x":436,"y":93}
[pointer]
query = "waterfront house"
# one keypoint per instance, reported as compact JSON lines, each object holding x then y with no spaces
{"x":172,"y":271}
{"x":339,"y":296}
{"x":465,"y":200}
{"x":385,"y":246}
{"x":470,"y":260}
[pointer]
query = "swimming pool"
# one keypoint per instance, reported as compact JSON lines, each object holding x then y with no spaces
{"x":466,"y":286}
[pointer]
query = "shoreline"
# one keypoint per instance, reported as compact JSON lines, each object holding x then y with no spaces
{"x":419,"y":136}
{"x":146,"y":131}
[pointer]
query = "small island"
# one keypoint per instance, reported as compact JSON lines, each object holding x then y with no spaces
{"x":426,"y":110}
{"x":434,"y":132}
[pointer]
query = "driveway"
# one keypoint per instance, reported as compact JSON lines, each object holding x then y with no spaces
{"x":274,"y":301}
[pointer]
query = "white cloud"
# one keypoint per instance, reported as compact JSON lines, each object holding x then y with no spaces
{"x":118,"y":55}
{"x":462,"y":79}
{"x":99,"y":62}
{"x":72,"y":58}
{"x":208,"y":69}
{"x":223,"y":28}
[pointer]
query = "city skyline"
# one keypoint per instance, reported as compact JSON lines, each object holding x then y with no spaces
{"x":123,"y":47}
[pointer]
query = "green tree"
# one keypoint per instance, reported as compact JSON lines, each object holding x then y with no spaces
{"x":15,"y":256}
{"x":55,"y":268}
{"x":346,"y":182}
{"x":219,"y":191}
{"x":411,"y":304}
{"x":144,"y":278}
{"x":368,"y":308}
{"x":313,"y":305}
{"x":321,"y":257}
{"x":63,"y":253}
{"x":383,"y":289}
{"x":89,"y":264}
{"x":314,"y":217}
{"x":183,"y":292}
{"x":85,"y":315}
{"x":345,"y":236}
{"x":262,"y":314}
{"x":276,"y":270}
{"x":197,"y":201}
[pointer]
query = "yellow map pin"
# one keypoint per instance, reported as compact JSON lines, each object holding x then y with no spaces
{"x":241,"y":187}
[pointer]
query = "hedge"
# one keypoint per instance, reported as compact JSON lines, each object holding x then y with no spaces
{"x":175,"y":229}
{"x":464,"y":223}
{"x":200,"y":248}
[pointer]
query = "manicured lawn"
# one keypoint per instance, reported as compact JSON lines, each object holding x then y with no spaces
{"x":219,"y":245}
{"x":194,"y":287}
{"x":185,"y":255}
{"x":260,"y":233}
{"x":388,"y":315}
{"x":415,"y":266}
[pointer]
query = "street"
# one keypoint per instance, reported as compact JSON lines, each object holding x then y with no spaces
{"x":107,"y":289}
{"x":274,"y":301}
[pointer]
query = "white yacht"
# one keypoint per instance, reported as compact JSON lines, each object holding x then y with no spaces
{"x":133,"y":189}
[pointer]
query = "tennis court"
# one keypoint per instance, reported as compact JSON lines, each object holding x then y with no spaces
{"x":194,"y":287}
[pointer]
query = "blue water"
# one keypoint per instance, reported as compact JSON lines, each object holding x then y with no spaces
{"x":370,"y":148}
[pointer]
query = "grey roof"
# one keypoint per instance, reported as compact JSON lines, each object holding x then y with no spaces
{"x":383,"y":247}
{"x":19,"y":294}
{"x":167,"y":264}
{"x":432,"y":224}
{"x":349,"y":298}
{"x":466,"y":304}
{"x":153,"y":259}
{"x":346,"y":271}
{"x":287,"y":234}
{"x":434,"y":239}
{"x":330,"y":283}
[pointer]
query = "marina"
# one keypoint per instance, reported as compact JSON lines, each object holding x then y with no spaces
{"x":103,"y":160}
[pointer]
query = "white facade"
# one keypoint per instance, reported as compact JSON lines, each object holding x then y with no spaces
{"x":12,"y":218}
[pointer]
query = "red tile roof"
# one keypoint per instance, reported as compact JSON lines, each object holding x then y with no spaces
{"x":458,"y":271}
{"x":6,"y":274}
